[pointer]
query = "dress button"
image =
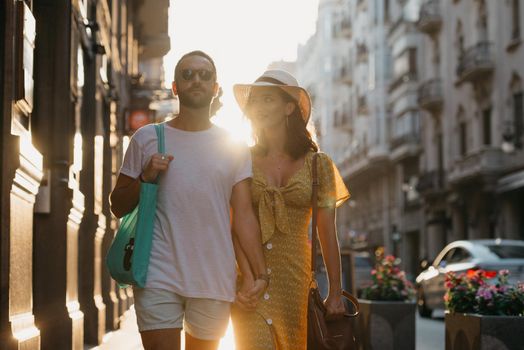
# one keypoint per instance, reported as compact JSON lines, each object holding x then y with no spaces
{"x":269,"y":321}
{"x":269,"y":246}
{"x":268,"y":271}
{"x":266,"y":296}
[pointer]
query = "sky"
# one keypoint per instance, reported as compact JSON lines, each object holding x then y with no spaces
{"x":243,"y":37}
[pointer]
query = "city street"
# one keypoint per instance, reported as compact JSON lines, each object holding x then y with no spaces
{"x":430,"y":335}
{"x":430,"y":332}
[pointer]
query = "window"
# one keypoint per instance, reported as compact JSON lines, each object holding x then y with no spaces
{"x":463,"y":138}
{"x":486,"y":126}
{"x":413,"y":61}
{"x":483,"y":21}
{"x":440,"y":158}
{"x":406,"y":63}
{"x":518,"y":118}
{"x":459,"y":255}
{"x":515,"y":28}
{"x":507,"y":251}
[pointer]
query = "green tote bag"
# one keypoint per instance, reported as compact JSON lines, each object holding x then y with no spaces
{"x":128,"y":256}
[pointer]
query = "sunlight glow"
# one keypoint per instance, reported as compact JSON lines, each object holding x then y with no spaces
{"x":243,"y":38}
{"x":228,"y":342}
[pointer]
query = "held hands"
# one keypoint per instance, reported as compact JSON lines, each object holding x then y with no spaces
{"x":250,"y":291}
{"x":157,"y":163}
{"x":335,"y":307}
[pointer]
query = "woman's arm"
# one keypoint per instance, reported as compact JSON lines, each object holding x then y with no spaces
{"x":247,"y":278}
{"x":327,"y":235}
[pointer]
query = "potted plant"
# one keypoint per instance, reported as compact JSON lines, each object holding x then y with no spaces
{"x":387,"y":319}
{"x":483,"y":315}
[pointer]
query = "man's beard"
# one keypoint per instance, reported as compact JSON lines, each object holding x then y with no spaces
{"x":185,"y":99}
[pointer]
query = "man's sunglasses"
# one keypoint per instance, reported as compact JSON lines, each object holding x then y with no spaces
{"x":203,"y":74}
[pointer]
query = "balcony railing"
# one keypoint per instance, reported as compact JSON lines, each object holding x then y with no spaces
{"x":476,"y":62}
{"x":431,"y":182}
{"x":345,"y":30}
{"x":345,"y":76}
{"x":430,"y":95}
{"x":362,"y":53}
{"x":362,"y":105}
{"x":404,"y":138}
{"x":430,"y":19}
{"x":485,"y":162}
{"x":402,"y":79}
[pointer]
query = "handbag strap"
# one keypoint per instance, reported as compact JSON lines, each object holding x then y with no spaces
{"x":314,"y":204}
{"x":314,"y":235}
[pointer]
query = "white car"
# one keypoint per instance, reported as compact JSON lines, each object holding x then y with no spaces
{"x":461,"y":256}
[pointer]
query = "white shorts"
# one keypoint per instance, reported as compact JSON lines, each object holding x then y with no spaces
{"x":205,"y":319}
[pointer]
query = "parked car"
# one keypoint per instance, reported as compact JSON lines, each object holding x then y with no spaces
{"x":461,"y":256}
{"x":362,"y":274}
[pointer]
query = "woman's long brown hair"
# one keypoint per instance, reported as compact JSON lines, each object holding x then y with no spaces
{"x":298,"y":139}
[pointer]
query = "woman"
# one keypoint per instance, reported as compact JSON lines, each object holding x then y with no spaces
{"x":282,"y":181}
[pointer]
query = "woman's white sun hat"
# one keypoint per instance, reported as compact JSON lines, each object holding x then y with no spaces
{"x":276,"y":78}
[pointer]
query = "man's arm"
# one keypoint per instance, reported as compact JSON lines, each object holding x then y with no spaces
{"x":124,"y":196}
{"x":247,"y":231}
{"x":126,"y":193}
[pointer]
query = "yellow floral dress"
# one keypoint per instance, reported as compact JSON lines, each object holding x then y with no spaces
{"x":284,"y":214}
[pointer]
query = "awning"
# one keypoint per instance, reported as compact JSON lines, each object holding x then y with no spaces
{"x":511,"y":182}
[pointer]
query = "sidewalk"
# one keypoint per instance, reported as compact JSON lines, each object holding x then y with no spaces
{"x":128,"y":338}
{"x":125,"y":338}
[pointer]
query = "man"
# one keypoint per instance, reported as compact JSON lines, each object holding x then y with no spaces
{"x":192,"y":274}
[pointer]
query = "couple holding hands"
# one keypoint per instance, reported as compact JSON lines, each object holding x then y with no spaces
{"x":231,"y":226}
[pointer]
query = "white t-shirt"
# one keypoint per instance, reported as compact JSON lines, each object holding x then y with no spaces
{"x":192,"y":252}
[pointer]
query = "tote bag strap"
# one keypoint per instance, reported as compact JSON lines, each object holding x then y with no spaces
{"x":160,"y":140}
{"x":160,"y":135}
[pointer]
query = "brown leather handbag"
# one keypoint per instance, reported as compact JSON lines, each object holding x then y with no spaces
{"x":322,"y":334}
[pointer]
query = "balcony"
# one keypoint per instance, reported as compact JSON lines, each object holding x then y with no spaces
{"x":431,"y":183}
{"x":345,"y":31}
{"x":362,"y":105}
{"x":152,"y":21}
{"x":430,"y":19}
{"x":404,"y":142}
{"x":403,"y":79}
{"x":482,"y":164}
{"x":430,"y":95}
{"x":345,"y":76}
{"x":362,"y":53}
{"x":476,"y":62}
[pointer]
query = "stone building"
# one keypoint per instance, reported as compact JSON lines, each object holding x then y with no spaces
{"x":420,"y":104}
{"x":68,"y":72}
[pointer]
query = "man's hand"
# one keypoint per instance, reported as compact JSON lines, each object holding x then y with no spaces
{"x":335,"y":307}
{"x":259,"y":287}
{"x":242,"y":300}
{"x":157,"y":163}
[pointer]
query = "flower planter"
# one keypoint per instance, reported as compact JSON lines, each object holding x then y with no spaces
{"x":481,"y":332}
{"x":387,"y":325}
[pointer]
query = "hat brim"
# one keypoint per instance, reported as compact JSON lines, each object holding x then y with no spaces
{"x":242,"y":92}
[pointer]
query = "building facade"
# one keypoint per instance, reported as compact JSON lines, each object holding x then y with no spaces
{"x":69,"y":70}
{"x":471,"y":96}
{"x":420,"y":105}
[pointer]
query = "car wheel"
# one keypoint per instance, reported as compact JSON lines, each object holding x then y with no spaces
{"x":422,"y":307}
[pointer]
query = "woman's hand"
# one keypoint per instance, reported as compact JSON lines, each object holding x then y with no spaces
{"x":335,"y":307}
{"x":243,"y":298}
